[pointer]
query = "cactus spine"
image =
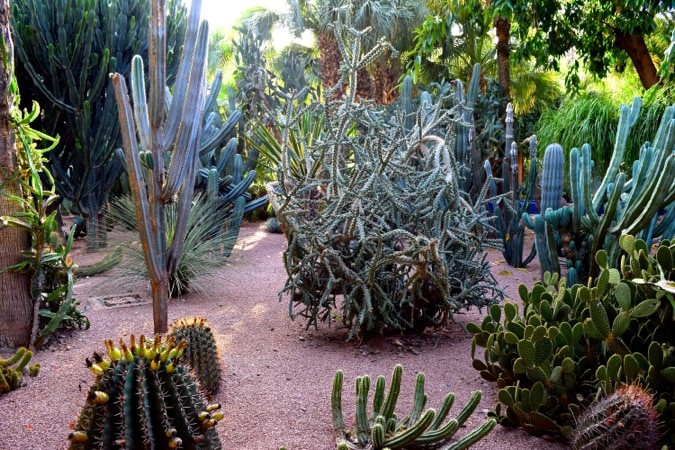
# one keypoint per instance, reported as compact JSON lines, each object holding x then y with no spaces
{"x":12,"y":370}
{"x":201,"y":353}
{"x":385,"y":429}
{"x":624,"y":420}
{"x":142,"y":396}
{"x":173,"y":137}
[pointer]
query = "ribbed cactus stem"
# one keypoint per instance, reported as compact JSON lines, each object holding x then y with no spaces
{"x":553,"y":173}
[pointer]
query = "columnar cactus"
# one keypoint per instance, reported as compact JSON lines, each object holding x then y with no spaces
{"x":508,"y":211}
{"x":142,"y":396}
{"x":201,"y":353}
{"x":552,"y":177}
{"x":624,"y":420}
{"x":385,"y":429}
{"x":12,"y":370}
{"x":169,"y":141}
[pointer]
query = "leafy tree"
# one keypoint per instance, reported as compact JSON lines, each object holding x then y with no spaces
{"x":66,"y":50}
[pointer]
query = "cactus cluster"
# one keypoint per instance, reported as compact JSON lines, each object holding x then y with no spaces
{"x":642,"y":204}
{"x":571,"y":343}
{"x":12,"y":370}
{"x":143,"y":396}
{"x":509,"y":209}
{"x":624,"y":420}
{"x":384,"y":428}
{"x":201,"y":353}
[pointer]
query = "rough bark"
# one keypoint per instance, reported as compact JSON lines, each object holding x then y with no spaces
{"x":635,"y":46}
{"x":16,"y":304}
{"x":329,"y":64}
{"x":503,"y":29}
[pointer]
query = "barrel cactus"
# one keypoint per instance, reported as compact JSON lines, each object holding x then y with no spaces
{"x":624,"y":420}
{"x":141,"y":397}
{"x":201,"y":353}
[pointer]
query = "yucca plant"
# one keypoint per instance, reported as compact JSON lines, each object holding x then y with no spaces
{"x":204,"y":241}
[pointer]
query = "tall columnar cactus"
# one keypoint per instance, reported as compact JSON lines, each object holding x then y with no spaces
{"x":596,"y":220}
{"x":552,"y":175}
{"x":467,"y":153}
{"x":67,"y":49}
{"x":12,"y":370}
{"x":142,"y":397}
{"x":383,"y":428}
{"x":201,"y":353}
{"x":509,"y":209}
{"x":170,"y":142}
{"x":624,"y":420}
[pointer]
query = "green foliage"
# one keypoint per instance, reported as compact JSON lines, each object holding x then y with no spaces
{"x":571,"y":344}
{"x":66,"y":51}
{"x":623,"y":420}
{"x":48,"y":261}
{"x":13,"y":368}
{"x":384,"y":428}
{"x":142,"y":395}
{"x":109,"y":260}
{"x":598,"y":216}
{"x":201,"y":353}
{"x":383,"y":226}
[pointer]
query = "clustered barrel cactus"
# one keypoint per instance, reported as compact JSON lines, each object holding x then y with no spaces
{"x":384,"y":428}
{"x":142,"y":396}
{"x":201,"y":353}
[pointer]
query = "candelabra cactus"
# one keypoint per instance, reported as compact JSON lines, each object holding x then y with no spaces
{"x":201,"y":353}
{"x":142,"y":396}
{"x":624,"y":420}
{"x":620,"y":205}
{"x":169,"y":140}
{"x":12,"y":370}
{"x":385,"y":429}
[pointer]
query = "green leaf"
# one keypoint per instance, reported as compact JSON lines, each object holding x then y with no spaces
{"x":645,"y":308}
{"x":622,"y":295}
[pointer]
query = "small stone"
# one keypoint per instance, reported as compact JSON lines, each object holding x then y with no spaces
{"x":302,"y":338}
{"x":68,"y":347}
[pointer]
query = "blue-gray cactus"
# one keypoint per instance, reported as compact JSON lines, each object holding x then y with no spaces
{"x":170,"y":142}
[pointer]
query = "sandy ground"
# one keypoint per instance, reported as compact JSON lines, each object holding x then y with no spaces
{"x":277,"y":376}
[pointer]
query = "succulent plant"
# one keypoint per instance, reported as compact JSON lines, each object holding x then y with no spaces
{"x":201,"y":353}
{"x":623,"y":420}
{"x":143,"y":396}
{"x":12,"y":370}
{"x":384,"y":428}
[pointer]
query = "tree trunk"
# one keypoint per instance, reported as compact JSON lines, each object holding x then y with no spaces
{"x":16,"y":304}
{"x":329,"y":65}
{"x":503,"y":29}
{"x":634,"y":45}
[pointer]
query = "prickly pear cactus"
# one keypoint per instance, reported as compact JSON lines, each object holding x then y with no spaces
{"x":12,"y":370}
{"x":201,"y":353}
{"x":142,"y":397}
{"x":625,"y":420}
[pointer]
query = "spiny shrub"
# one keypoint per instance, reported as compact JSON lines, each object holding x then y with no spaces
{"x":201,"y":353}
{"x":143,"y":397}
{"x":624,"y":420}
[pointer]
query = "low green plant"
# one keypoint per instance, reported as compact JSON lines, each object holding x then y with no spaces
{"x":570,"y":344}
{"x":143,"y":396}
{"x":201,"y":353}
{"x":48,"y":261}
{"x":384,"y":428}
{"x":13,"y":368}
{"x":109,"y":260}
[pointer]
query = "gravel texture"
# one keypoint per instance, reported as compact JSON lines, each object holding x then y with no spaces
{"x":277,"y":376}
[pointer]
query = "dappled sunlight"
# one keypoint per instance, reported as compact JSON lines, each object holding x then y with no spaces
{"x":259,"y":310}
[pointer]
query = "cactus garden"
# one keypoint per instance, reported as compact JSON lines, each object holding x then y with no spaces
{"x":237,"y":233}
